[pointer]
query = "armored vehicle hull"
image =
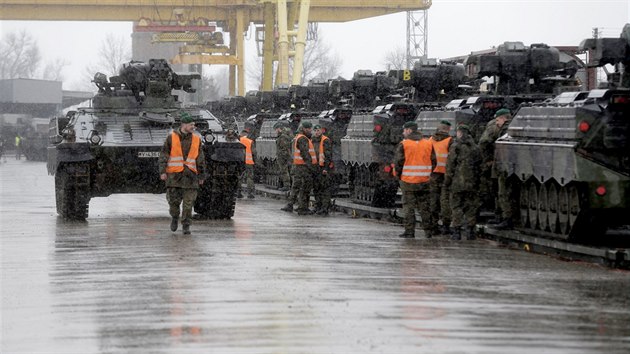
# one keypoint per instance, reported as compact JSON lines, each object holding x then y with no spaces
{"x":569,"y":165}
{"x":114,"y":146}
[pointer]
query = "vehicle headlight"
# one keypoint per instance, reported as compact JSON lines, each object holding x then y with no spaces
{"x":209,"y":138}
{"x":95,"y":138}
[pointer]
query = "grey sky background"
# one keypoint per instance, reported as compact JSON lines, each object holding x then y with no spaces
{"x":456,"y":27}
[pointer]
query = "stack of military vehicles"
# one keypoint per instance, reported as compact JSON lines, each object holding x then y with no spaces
{"x":585,"y":176}
{"x":566,"y":151}
{"x":114,"y":145}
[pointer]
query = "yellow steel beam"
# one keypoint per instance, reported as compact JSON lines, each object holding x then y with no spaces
{"x":206,"y":59}
{"x":267,"y":79}
{"x":300,"y":43}
{"x":215,"y":10}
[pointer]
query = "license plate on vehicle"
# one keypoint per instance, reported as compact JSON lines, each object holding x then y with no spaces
{"x":148,"y":154}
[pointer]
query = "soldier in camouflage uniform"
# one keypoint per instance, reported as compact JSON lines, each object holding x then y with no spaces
{"x":183,"y":173}
{"x":321,"y":187}
{"x":494,"y":129}
{"x":414,"y":160}
{"x":283,"y":154}
{"x":303,"y":171}
{"x":440,"y":209}
{"x":462,"y":182}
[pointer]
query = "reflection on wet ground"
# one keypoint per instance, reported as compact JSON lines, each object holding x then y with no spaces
{"x":268,"y":281}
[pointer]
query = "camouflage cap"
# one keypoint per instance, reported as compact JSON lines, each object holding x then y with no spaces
{"x":502,"y":112}
{"x":317,"y":126}
{"x":411,"y":125}
{"x":306,"y":125}
{"x":185,"y":117}
{"x":445,"y":122}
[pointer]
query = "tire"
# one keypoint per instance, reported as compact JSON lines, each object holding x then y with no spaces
{"x":72,"y":197}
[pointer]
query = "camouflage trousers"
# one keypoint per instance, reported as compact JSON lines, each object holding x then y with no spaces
{"x":438,"y":195}
{"x":416,"y":200}
{"x":301,"y":187}
{"x":178,"y":196}
{"x":248,"y":177}
{"x":321,"y":191}
{"x":505,"y":196}
{"x":464,"y":208}
{"x":283,"y":171}
{"x":488,"y":189}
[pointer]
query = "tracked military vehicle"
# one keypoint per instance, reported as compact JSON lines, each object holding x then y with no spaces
{"x":113,"y":146}
{"x":569,"y":160}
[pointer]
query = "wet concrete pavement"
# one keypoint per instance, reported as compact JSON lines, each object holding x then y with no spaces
{"x":268,"y":281}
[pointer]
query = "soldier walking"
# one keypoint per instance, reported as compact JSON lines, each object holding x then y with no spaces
{"x":182,"y":165}
{"x":321,"y":188}
{"x":304,"y":167}
{"x":414,"y":160}
{"x":440,"y":209}
{"x":248,"y":173}
{"x":18,"y":147}
{"x":283,"y":154}
{"x":462,"y":182}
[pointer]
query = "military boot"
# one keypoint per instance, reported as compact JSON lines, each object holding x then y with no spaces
{"x":407,"y":234}
{"x":506,"y":224}
{"x":174,"y":222}
{"x":455,"y":234}
{"x":445,"y":230}
{"x":186,"y":229}
{"x":288,"y":207}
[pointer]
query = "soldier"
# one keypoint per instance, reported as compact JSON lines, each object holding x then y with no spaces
{"x":462,"y":182}
{"x":248,"y":173}
{"x":413,"y":161}
{"x":321,"y":188}
{"x":304,"y":166}
{"x":182,"y":165}
{"x":494,"y":129}
{"x":283,"y":154}
{"x":440,"y":209}
{"x":18,"y":147}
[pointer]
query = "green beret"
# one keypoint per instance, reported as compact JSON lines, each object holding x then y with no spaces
{"x":317,"y":126}
{"x":185,"y":117}
{"x":411,"y":125}
{"x":445,"y":122}
{"x":502,"y":112}
{"x":463,"y":127}
{"x":306,"y":125}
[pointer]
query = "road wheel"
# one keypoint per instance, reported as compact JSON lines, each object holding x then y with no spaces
{"x":533,"y":205}
{"x":563,"y":211}
{"x":553,"y":205}
{"x":524,"y":204}
{"x":543,"y":208}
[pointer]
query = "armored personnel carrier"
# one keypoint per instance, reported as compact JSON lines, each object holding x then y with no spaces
{"x":113,"y":146}
{"x":569,"y":160}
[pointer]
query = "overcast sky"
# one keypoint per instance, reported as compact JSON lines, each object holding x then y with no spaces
{"x":456,"y":27}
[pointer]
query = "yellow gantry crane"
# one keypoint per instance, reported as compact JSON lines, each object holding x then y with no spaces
{"x":285,"y":26}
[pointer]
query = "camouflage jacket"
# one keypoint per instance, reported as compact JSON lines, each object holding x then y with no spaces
{"x":463,"y":166}
{"x":186,"y":178}
{"x":283,"y":145}
{"x":327,"y":151}
{"x":489,"y":136}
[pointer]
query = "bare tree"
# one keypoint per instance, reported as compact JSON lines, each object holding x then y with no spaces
{"x":20,"y":55}
{"x":211,"y":85}
{"x":114,"y":52}
{"x":54,"y":69}
{"x":396,"y":59}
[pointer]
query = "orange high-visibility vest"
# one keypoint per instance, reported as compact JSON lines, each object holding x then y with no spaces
{"x":176,"y":160}
{"x":417,"y":168}
{"x":441,"y":153}
{"x":297,"y":158}
{"x":249,"y":157}
{"x":321,"y":150}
